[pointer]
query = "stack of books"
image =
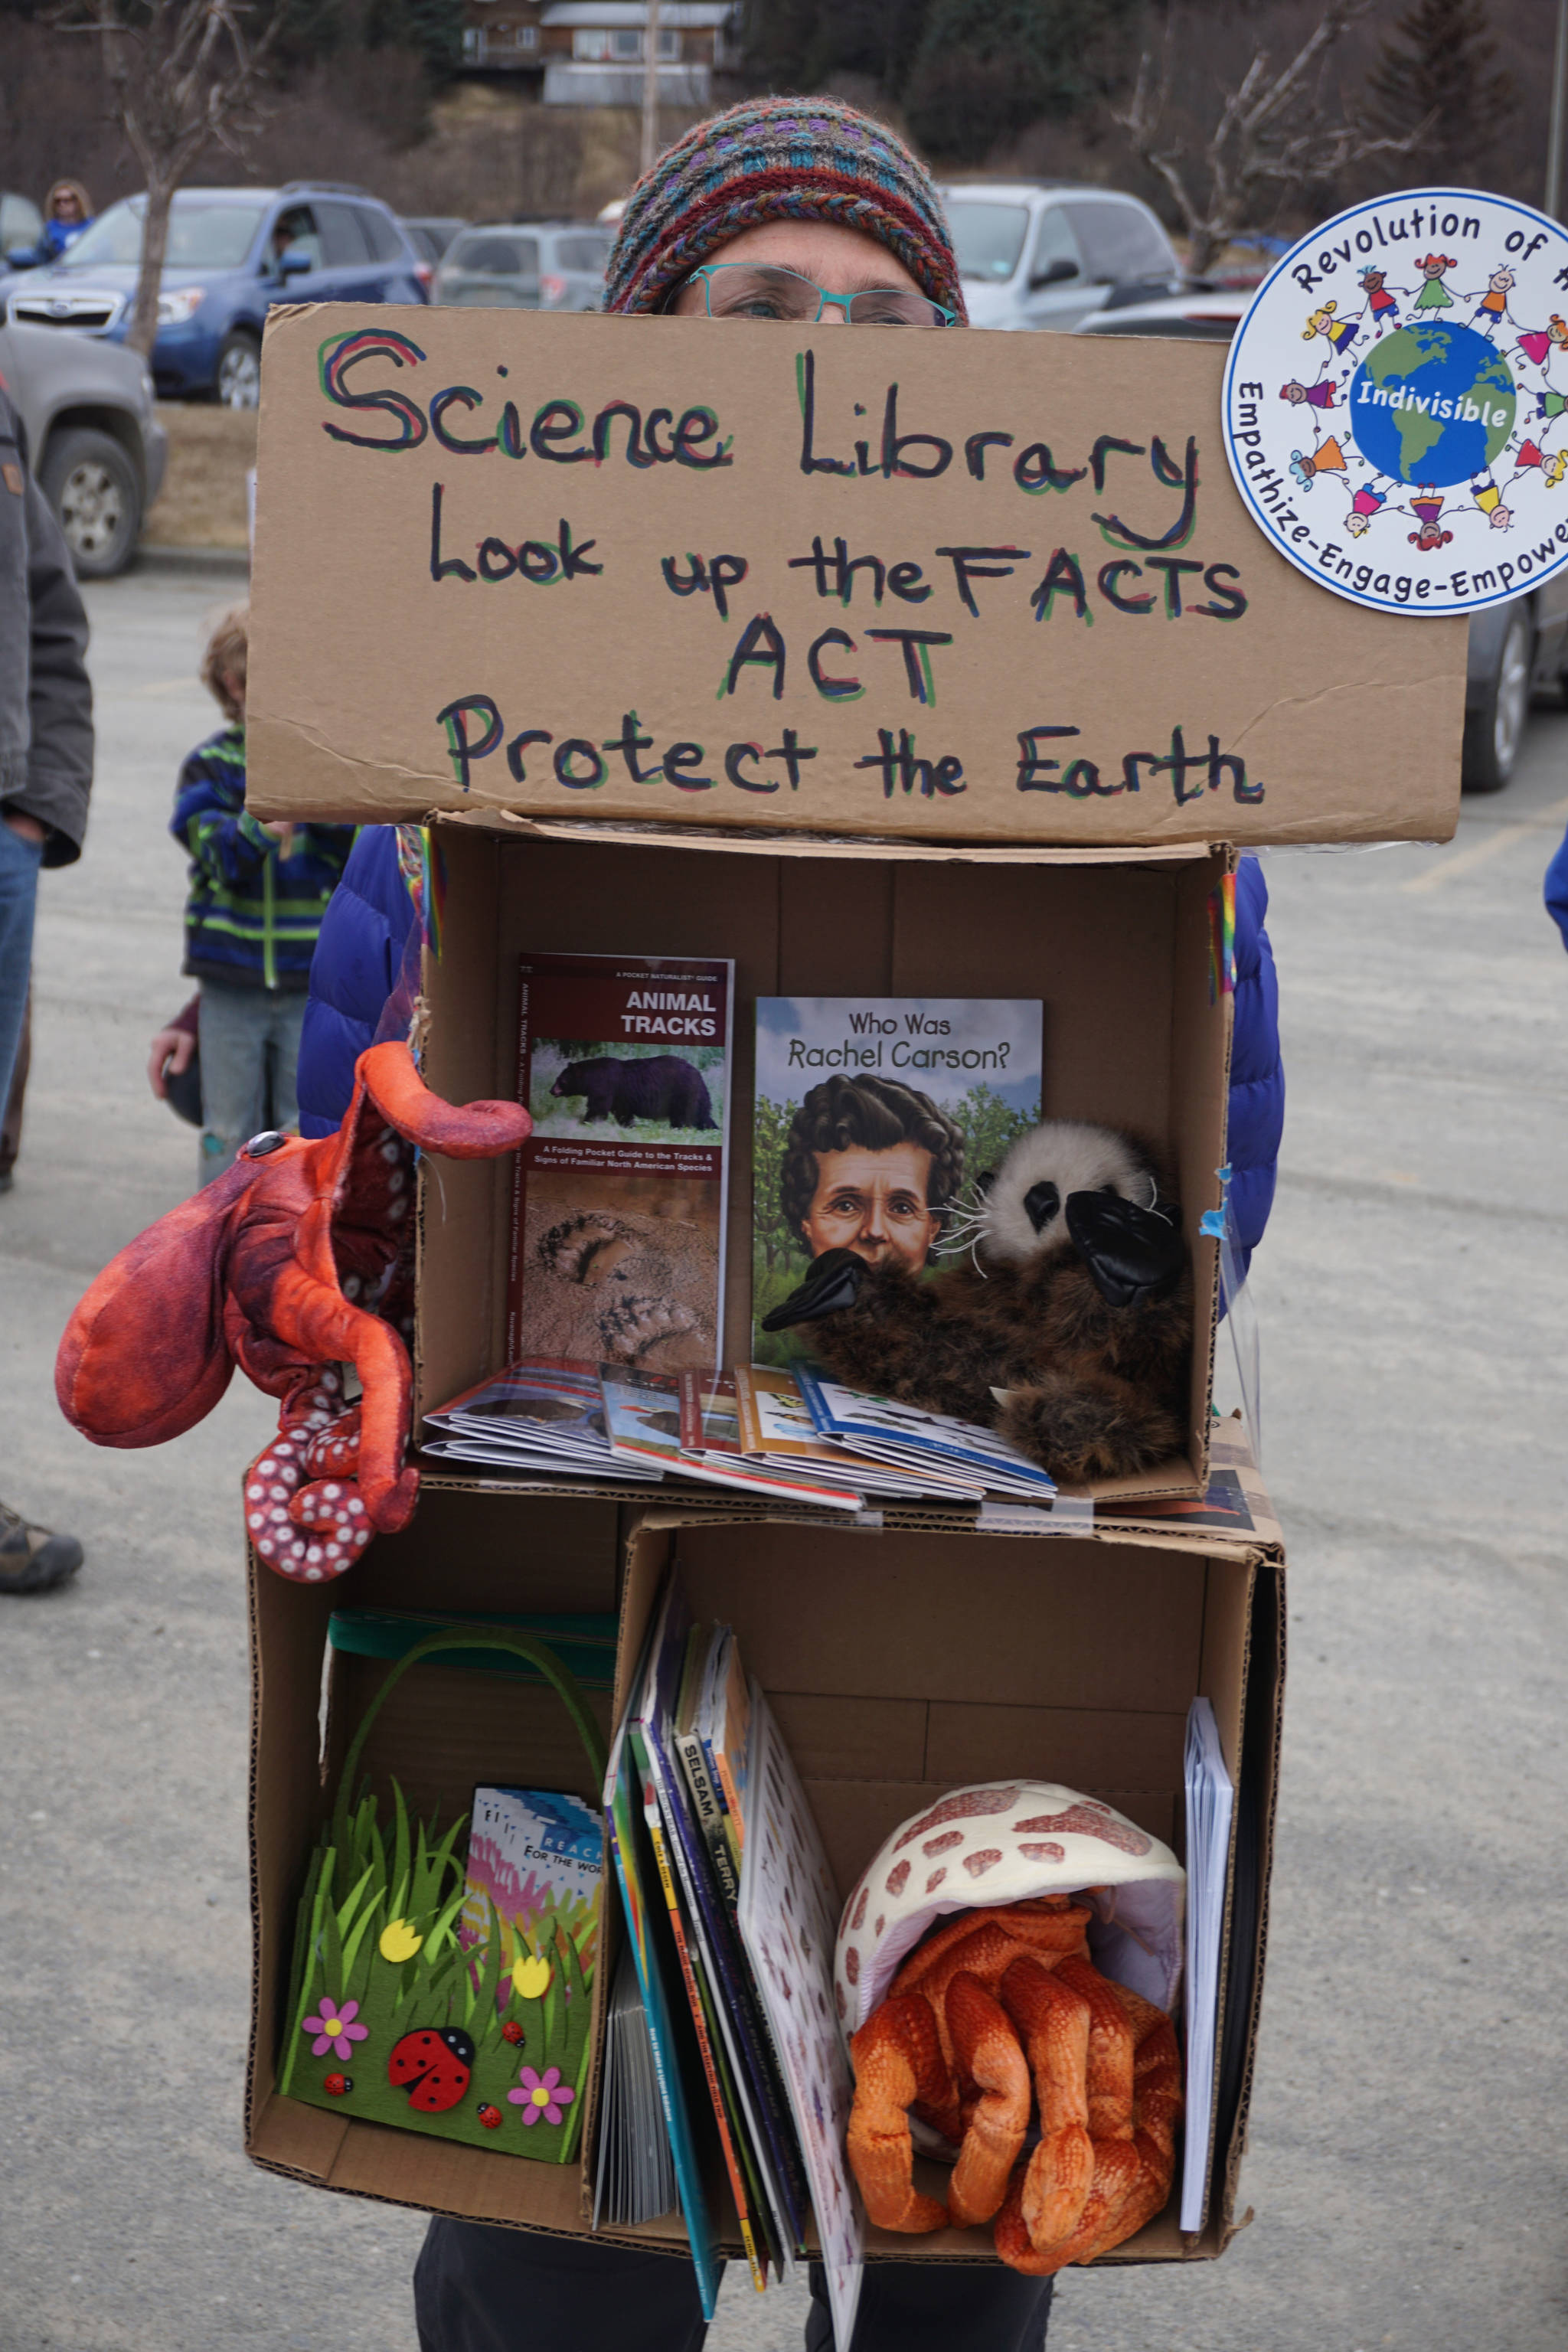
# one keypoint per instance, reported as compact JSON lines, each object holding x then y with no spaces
{"x":792,"y":1432}
{"x":731,"y":1912}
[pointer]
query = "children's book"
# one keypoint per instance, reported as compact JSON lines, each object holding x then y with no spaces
{"x":672,"y":2035}
{"x":776,"y":1424}
{"x":875,"y":1116}
{"x":545,"y":1413}
{"x":890,"y":1430}
{"x":634,"y":2179}
{"x":618,"y":1245}
{"x":767,"y":2128}
{"x":788,"y":1919}
{"x":1210,"y":1803}
{"x":711,"y":1447}
{"x":537,"y":1855}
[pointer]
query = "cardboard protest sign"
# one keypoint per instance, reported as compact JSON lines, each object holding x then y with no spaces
{"x":950,"y":585}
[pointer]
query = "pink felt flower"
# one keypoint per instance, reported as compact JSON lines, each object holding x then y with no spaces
{"x":543,"y":2096}
{"x":335,"y":2029}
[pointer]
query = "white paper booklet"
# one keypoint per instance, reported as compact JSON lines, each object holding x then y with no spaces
{"x":1210,"y":1798}
{"x":789,"y":1915}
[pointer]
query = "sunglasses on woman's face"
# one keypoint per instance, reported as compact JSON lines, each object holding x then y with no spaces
{"x":749,"y":290}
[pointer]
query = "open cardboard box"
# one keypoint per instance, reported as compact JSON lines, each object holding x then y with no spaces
{"x":898,"y":1668}
{"x":1117,"y":944}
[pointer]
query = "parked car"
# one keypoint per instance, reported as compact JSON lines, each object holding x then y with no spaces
{"x":233,"y":252}
{"x":525,"y":265}
{"x":430,"y":236}
{"x":95,"y":445}
{"x":1197,"y":316}
{"x":1042,"y":253}
{"x":1517,"y":649}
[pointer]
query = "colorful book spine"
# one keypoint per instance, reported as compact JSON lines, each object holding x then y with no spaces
{"x":710,"y":1814}
{"x":661,"y":2035}
{"x":698,"y":2015}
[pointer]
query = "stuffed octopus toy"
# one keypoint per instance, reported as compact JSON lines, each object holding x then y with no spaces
{"x":999,"y":2016}
{"x":296,"y":1260}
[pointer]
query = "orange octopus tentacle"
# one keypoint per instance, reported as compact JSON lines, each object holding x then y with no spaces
{"x":1111,"y":2049}
{"x":985,"y":2044}
{"x":897,"y":2059}
{"x":1157,"y":2108}
{"x":1055,"y":2021}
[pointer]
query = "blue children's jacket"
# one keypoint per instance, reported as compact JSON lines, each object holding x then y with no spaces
{"x":252,"y":916}
{"x":1557,"y":890}
{"x":358,"y":959}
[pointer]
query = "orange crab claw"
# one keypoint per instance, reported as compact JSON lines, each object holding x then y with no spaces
{"x":1055,"y":2021}
{"x":985,"y":2044}
{"x":897,"y":2059}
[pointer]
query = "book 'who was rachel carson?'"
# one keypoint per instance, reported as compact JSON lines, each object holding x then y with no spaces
{"x":874,"y":1114}
{"x":618,"y":1245}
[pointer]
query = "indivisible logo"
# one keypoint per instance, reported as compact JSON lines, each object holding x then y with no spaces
{"x":1395,"y":402}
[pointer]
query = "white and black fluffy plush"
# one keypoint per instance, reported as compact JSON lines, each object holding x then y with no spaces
{"x":1066,"y":1320}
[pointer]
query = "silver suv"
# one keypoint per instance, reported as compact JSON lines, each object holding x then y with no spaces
{"x":525,"y":265}
{"x":94,"y":445}
{"x":1037,"y":253}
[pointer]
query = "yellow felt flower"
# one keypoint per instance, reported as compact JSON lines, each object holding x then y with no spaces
{"x":530,"y":1977}
{"x":399,"y":1942}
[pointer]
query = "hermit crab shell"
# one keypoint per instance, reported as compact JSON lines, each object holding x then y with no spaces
{"x":1003,"y":1842}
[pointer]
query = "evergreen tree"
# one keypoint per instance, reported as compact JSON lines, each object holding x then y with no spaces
{"x":1436,"y":67}
{"x":987,"y":68}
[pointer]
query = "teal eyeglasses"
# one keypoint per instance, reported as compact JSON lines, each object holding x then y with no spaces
{"x":749,"y":290}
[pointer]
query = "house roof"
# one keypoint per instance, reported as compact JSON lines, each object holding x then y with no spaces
{"x":628,"y":16}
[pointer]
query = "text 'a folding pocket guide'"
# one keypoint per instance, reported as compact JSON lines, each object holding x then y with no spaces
{"x":405,"y":2007}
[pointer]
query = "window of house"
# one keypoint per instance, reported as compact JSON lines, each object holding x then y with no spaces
{"x":528,"y":36}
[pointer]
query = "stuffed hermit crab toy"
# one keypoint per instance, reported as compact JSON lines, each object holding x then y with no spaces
{"x":1067,"y":1323}
{"x":1051,"y":2000}
{"x":297,"y":1260}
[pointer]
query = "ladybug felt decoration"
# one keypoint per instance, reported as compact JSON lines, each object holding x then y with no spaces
{"x":491,"y":2117}
{"x":434,"y":2066}
{"x":511,"y":2031}
{"x":336,"y":2085}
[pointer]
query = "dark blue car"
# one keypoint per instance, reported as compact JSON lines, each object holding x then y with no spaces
{"x":233,"y":252}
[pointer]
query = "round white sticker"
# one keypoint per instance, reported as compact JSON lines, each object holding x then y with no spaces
{"x":1395,"y":399}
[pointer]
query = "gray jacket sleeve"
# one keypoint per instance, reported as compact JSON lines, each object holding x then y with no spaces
{"x":46,"y":701}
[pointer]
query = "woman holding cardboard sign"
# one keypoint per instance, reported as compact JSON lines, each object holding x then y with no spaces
{"x":810,"y":213}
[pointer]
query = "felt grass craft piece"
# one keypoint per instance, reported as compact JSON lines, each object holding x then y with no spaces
{"x":391,"y":2017}
{"x":298,"y":1259}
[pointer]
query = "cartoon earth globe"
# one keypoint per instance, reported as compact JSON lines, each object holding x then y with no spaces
{"x":1432,"y":405}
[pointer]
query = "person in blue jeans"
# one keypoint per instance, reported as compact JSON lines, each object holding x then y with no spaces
{"x":46,"y":776}
{"x":778,"y":209}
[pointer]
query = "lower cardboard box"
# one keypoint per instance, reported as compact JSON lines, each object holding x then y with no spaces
{"x":898,"y":1664}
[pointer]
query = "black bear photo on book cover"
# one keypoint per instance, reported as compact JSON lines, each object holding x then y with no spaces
{"x":617,"y":1249}
{"x":873,"y":1116}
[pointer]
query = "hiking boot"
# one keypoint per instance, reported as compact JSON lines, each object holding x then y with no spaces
{"x":31,"y":1559}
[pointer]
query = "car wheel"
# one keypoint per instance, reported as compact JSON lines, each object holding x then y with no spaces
{"x":1495,"y":730}
{"x":91,"y":484}
{"x":239,"y":373}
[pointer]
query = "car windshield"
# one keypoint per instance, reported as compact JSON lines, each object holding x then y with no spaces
{"x":493,"y":256}
{"x":986,"y":238}
{"x":201,"y":235}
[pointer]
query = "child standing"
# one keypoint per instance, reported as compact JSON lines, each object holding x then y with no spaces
{"x":257,"y":896}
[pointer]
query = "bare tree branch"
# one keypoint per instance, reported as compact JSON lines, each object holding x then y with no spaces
{"x":1271,"y":135}
{"x":180,"y":74}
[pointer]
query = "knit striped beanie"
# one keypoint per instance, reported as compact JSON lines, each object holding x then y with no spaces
{"x":778,"y":159}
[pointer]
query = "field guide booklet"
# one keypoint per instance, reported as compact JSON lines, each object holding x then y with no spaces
{"x":841,"y":1157}
{"x":617,"y":1242}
